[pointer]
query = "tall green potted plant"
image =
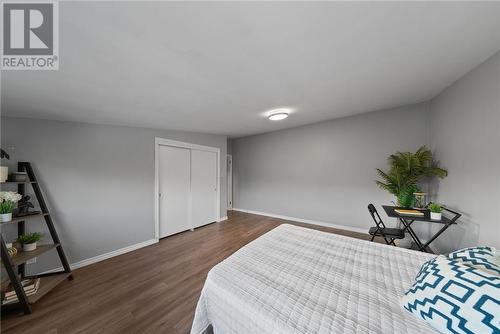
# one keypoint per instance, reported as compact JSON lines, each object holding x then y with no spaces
{"x":406,"y":170}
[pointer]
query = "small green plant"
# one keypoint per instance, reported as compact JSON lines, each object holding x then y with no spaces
{"x":406,"y":198}
{"x":6,"y":207}
{"x":8,"y":200}
{"x":29,"y":238}
{"x":435,"y":207}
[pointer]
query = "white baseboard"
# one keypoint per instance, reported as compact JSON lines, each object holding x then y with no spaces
{"x":105,"y":256}
{"x":222,"y":219}
{"x":306,"y":221}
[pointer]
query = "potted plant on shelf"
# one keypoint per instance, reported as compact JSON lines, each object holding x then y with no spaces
{"x":406,"y":170}
{"x":4,"y":170}
{"x":8,"y":200}
{"x":28,"y":241}
{"x":436,"y":211}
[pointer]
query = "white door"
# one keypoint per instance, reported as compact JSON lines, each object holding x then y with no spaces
{"x":229,"y":182}
{"x":203,"y":187}
{"x":174,"y":187}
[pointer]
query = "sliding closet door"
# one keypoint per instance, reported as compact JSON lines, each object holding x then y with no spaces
{"x":174,"y":186}
{"x":203,"y":187}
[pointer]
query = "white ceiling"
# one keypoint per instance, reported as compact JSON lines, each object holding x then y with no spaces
{"x":216,"y":67}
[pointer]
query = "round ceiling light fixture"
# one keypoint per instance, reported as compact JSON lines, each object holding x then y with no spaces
{"x":278,"y":114}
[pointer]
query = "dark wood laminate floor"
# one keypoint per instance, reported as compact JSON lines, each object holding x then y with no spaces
{"x":150,"y":290}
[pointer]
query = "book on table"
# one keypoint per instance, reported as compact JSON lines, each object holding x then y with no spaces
{"x":409,"y":212}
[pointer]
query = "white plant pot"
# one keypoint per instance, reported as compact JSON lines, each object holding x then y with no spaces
{"x":435,"y":216}
{"x":5,"y":217}
{"x":4,"y":173}
{"x":29,"y":247}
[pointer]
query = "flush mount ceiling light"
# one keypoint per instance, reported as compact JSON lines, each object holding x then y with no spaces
{"x":278,"y":114}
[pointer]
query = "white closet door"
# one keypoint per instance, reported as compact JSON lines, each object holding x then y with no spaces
{"x":203,"y":187}
{"x":174,"y":186}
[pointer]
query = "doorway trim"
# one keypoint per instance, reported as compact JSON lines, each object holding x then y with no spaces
{"x":174,"y":143}
{"x":229,"y":181}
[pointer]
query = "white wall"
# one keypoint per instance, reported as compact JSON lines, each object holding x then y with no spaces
{"x":98,"y":179}
{"x":465,"y":135}
{"x":325,"y":172}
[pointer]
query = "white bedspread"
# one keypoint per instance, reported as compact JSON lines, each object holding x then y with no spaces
{"x":299,"y":280}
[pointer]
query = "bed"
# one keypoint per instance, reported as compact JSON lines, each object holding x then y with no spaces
{"x":298,"y":280}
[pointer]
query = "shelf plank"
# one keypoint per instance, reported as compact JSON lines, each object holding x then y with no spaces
{"x":25,"y":218}
{"x":47,"y":284}
{"x":22,"y":257}
{"x":18,"y":182}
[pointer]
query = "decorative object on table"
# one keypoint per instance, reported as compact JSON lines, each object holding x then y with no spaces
{"x":29,"y":241}
{"x":419,"y":200}
{"x":406,"y":170}
{"x":406,"y":197}
{"x":18,"y":177}
{"x":11,"y":249}
{"x":23,"y":207}
{"x":456,"y":295}
{"x":8,"y":200}
{"x":29,"y":285}
{"x":406,"y":212}
{"x":4,"y":170}
{"x":436,"y":211}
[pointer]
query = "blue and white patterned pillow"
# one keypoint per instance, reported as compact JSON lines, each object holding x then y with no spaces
{"x":481,"y":257}
{"x":454,"y":297}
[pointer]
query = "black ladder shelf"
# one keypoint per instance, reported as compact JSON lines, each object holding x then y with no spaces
{"x":48,"y":281}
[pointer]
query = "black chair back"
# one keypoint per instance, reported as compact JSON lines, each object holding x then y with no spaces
{"x":376,"y":217}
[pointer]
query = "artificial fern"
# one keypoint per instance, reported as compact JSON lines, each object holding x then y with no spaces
{"x":406,"y":198}
{"x":407,"y":169}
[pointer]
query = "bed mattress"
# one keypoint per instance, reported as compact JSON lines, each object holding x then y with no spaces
{"x":298,"y":280}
